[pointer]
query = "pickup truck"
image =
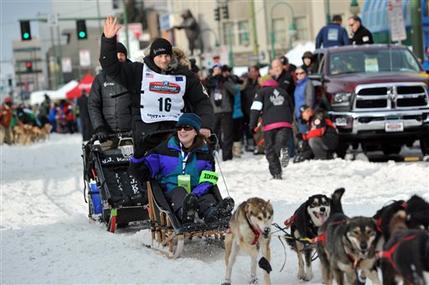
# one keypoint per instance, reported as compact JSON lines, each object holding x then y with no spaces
{"x":376,"y":95}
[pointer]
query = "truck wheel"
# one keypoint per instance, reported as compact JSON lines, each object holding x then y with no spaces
{"x":424,"y":146}
{"x":391,"y":149}
{"x":342,"y":150}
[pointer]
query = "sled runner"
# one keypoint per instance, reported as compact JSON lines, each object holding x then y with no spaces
{"x":115,"y":197}
{"x":168,"y":233}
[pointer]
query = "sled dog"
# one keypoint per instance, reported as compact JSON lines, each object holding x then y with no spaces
{"x":305,"y":223}
{"x":347,"y":246}
{"x":249,"y":230}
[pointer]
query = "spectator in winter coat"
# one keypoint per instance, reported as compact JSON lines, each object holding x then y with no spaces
{"x":282,"y":75}
{"x":332,"y":34}
{"x":304,"y":95}
{"x":184,"y":167}
{"x":322,"y":135}
{"x":222,"y":90}
{"x":86,"y":127}
{"x":44,"y":110}
{"x":361,"y":35}
{"x":6,"y":114}
{"x":277,"y":109}
{"x":307,"y":60}
{"x":109,"y":103}
{"x":159,"y":91}
{"x":251,"y":85}
{"x":280,"y":72}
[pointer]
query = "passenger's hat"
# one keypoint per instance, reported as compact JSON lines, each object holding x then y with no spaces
{"x":160,"y":46}
{"x":121,"y":48}
{"x":190,"y":119}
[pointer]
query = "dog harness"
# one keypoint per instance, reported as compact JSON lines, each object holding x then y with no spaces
{"x":388,"y":254}
{"x":379,"y":221}
{"x":255,"y":232}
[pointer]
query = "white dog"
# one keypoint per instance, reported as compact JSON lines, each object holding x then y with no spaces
{"x":250,"y":228}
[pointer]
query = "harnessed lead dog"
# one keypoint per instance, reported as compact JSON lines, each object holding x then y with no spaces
{"x":250,"y":228}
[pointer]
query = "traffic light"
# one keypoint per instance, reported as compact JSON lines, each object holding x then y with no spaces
{"x":25,"y":30}
{"x":225,"y":12}
{"x":29,"y":66}
{"x":81,"y":31}
{"x":217,"y":14}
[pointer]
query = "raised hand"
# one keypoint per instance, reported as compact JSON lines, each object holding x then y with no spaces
{"x":111,"y":27}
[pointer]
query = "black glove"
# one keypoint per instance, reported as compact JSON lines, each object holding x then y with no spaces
{"x":139,"y":171}
{"x":101,"y":134}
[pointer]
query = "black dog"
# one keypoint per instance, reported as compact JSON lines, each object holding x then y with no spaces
{"x":305,"y":224}
{"x":406,"y":256}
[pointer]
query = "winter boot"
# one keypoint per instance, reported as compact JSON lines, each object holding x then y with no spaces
{"x":277,"y":176}
{"x":189,"y":208}
{"x":284,"y":157}
{"x":236,"y":149}
{"x":226,"y":206}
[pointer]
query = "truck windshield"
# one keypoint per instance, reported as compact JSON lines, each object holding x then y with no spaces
{"x":371,"y":61}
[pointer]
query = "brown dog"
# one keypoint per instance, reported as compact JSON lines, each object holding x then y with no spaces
{"x":250,"y":228}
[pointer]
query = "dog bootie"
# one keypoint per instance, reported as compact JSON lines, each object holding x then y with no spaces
{"x":284,"y":157}
{"x":189,"y":208}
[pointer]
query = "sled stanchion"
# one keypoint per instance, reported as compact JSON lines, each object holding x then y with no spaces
{"x":112,"y":223}
{"x":151,"y":209}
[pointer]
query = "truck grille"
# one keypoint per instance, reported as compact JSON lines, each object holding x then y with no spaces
{"x":392,"y":96}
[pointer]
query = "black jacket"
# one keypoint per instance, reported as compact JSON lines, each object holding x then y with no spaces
{"x":362,"y":36}
{"x":276,"y":107}
{"x":109,"y":105}
{"x":286,"y":82}
{"x":130,"y":75}
{"x":85,"y":122}
{"x":247,"y":96}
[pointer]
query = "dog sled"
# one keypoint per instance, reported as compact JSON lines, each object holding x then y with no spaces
{"x":168,"y":234}
{"x":114,"y":196}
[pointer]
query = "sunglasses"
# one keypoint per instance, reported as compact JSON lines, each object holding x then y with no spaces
{"x":299,"y":73}
{"x":186,"y":128}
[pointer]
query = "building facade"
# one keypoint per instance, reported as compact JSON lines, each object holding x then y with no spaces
{"x":253,"y":31}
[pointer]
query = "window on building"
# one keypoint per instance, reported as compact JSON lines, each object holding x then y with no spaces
{"x":243,"y":33}
{"x":228,"y":33}
{"x":279,"y":29}
{"x":301,"y":28}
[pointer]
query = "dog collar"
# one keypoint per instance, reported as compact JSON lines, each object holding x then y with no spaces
{"x":255,"y":232}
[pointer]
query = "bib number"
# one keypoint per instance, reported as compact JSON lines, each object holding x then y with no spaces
{"x":164,"y":104}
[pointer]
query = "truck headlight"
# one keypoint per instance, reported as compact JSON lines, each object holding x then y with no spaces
{"x":342,"y":97}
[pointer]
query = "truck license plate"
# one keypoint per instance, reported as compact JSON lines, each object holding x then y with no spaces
{"x":394,"y":126}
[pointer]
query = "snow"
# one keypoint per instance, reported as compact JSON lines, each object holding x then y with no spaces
{"x":46,"y":237}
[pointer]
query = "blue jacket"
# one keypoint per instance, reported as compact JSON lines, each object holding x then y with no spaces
{"x":331,"y":35}
{"x":164,"y":164}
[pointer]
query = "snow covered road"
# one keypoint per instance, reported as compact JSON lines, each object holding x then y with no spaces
{"x":47,"y":238}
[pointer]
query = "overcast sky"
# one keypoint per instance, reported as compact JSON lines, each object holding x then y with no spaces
{"x":11,"y":12}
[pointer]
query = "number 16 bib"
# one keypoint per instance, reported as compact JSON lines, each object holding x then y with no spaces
{"x":161,"y":96}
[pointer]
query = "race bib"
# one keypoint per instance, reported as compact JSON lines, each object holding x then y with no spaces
{"x":161,"y":96}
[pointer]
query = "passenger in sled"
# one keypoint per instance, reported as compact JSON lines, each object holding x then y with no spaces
{"x":184,"y":167}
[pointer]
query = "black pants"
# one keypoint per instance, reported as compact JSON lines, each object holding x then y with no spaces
{"x":323,"y":146}
{"x":224,"y":131}
{"x":237,"y":129}
{"x":176,"y":197}
{"x":274,"y":141}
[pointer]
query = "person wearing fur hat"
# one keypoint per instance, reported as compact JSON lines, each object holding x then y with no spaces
{"x":184,"y":167}
{"x":109,"y":102}
{"x":277,"y":109}
{"x":159,"y":92}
